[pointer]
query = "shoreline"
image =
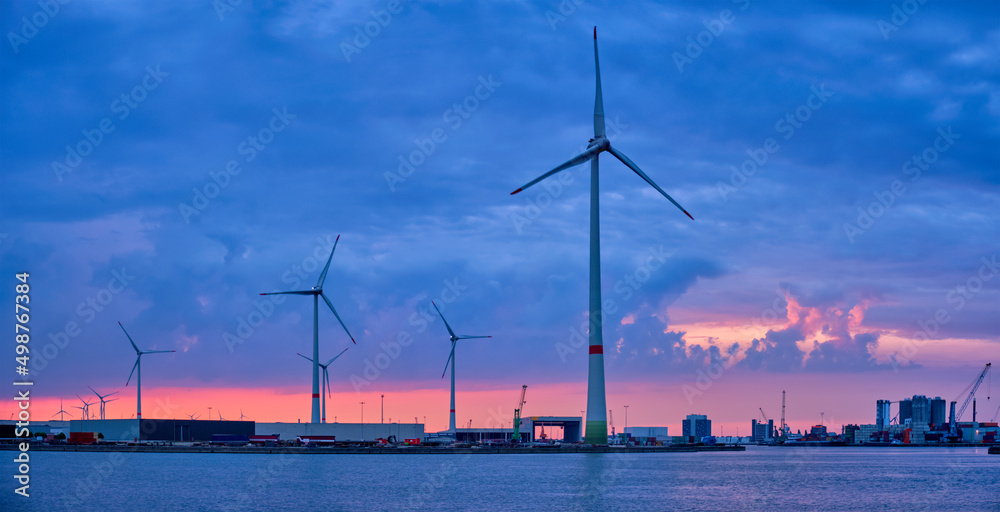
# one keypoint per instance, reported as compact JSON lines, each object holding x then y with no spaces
{"x":408,"y":450}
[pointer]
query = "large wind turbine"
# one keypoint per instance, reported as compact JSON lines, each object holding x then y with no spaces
{"x":326,"y":380}
{"x":317,"y":292}
{"x":102,"y":399}
{"x":597,"y":420}
{"x":138,"y":376}
{"x":451,"y":360}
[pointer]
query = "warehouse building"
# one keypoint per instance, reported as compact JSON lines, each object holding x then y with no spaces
{"x":343,"y":432}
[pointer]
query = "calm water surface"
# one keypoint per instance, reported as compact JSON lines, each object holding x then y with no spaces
{"x":762,"y":478}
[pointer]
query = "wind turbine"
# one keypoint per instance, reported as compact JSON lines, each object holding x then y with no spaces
{"x":61,"y":412}
{"x":451,"y":360}
{"x":85,"y":410}
{"x":194,"y":416}
{"x":317,"y":292}
{"x":597,"y":424}
{"x":138,"y":377}
{"x":326,"y":381}
{"x":102,"y":399}
{"x":241,"y":414}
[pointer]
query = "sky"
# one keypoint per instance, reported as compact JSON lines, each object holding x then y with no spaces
{"x":163,"y":164}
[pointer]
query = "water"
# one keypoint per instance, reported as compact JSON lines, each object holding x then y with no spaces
{"x":762,"y":478}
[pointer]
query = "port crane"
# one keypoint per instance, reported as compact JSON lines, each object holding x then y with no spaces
{"x":516,"y":436}
{"x":971,"y":390}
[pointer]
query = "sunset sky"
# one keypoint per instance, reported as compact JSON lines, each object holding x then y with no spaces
{"x":161,"y":164}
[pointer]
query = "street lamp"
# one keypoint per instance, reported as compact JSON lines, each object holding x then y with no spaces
{"x":362,"y":420}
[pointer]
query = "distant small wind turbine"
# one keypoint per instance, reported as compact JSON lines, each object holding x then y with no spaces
{"x":61,"y":412}
{"x":102,"y":399}
{"x":138,"y":376}
{"x":85,"y":410}
{"x":194,"y":416}
{"x":451,"y":361}
{"x":317,"y":292}
{"x":597,"y":420}
{"x":241,"y":414}
{"x":326,"y":380}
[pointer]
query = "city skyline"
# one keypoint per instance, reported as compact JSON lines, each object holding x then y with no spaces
{"x":843,"y":171}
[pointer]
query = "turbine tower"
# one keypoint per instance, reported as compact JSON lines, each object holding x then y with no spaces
{"x":61,"y":412}
{"x":326,"y":381}
{"x":138,"y":375}
{"x":451,"y":360}
{"x":317,"y":292}
{"x":597,"y":424}
{"x":102,"y":399}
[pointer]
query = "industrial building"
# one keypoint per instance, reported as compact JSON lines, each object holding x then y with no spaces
{"x":762,"y":432}
{"x":695,"y":427}
{"x":343,"y":432}
{"x":532,"y":429}
{"x":150,"y":430}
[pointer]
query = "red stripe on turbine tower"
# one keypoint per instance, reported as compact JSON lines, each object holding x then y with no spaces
{"x":597,"y":349}
{"x":315,"y":395}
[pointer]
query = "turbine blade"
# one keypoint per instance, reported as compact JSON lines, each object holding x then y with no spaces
{"x":446,"y":363}
{"x":336,"y":356}
{"x":304,"y":357}
{"x":450,"y":332}
{"x":296,"y":292}
{"x":95,"y":392}
{"x":466,"y":337}
{"x":328,"y":303}
{"x":326,"y":376}
{"x":322,"y":276}
{"x":599,"y":101}
{"x":129,"y":337}
{"x":133,"y":369}
{"x":109,"y":394}
{"x":157,"y":351}
{"x":631,"y":165}
{"x":576,"y":160}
